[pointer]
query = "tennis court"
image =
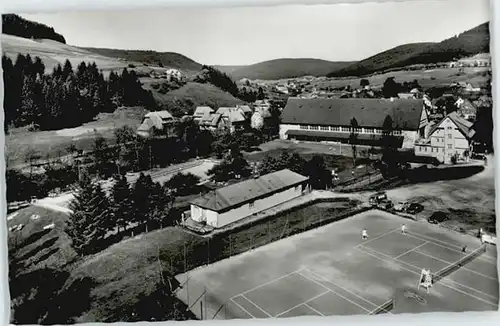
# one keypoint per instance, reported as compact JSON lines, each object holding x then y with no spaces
{"x":332,"y":271}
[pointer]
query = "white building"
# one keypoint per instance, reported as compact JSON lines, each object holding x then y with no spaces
{"x":232,"y":203}
{"x":451,"y":136}
{"x":330,"y":120}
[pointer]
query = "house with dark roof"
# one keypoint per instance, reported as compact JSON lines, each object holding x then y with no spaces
{"x":202,"y":113}
{"x":329,"y":120}
{"x":230,"y":204}
{"x":447,"y":138}
{"x":466,"y":109}
{"x":157,"y":124}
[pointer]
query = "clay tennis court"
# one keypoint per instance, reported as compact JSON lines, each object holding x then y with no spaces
{"x":332,"y":271}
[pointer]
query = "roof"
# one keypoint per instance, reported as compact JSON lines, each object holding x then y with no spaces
{"x":155,"y":119}
{"x":463,"y":125}
{"x":239,"y":193}
{"x":245,"y":108}
{"x":368,"y":112}
{"x":233,"y":114}
{"x":211,"y":119}
{"x":203,"y":111}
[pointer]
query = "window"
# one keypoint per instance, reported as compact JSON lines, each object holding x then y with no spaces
{"x":369,"y":130}
{"x":334,"y":128}
{"x":425,"y":149}
{"x":325,"y":128}
{"x":449,"y":146}
{"x":346,"y":129}
{"x":314,"y":127}
{"x":304,"y":127}
{"x":251,"y":204}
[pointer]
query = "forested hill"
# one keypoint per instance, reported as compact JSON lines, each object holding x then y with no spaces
{"x":468,"y":43}
{"x":15,"y":25}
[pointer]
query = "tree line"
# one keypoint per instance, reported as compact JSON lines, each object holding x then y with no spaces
{"x":15,"y":25}
{"x":65,"y":98}
{"x":97,"y":215}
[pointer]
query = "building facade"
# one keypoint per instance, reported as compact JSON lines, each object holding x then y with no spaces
{"x":235,"y":202}
{"x":447,"y":139}
{"x":329,"y":120}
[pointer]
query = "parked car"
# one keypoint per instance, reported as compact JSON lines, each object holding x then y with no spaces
{"x":385,"y":204}
{"x":401,"y":206}
{"x":438,"y":217}
{"x":377,"y":198}
{"x":414,"y":208}
{"x":478,"y":156}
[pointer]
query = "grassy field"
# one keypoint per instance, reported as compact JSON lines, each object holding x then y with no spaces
{"x":20,"y":141}
{"x":426,"y":78}
{"x":53,"y":53}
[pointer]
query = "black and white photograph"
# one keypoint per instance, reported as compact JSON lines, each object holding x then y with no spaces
{"x":249,"y":162}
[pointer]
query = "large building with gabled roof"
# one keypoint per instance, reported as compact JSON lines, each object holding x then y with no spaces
{"x":324,"y":119}
{"x":230,"y":204}
{"x":448,"y":138}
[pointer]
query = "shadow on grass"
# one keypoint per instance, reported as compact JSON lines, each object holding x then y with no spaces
{"x":34,"y":237}
{"x":40,"y":298}
{"x":46,"y":255}
{"x":47,"y":244}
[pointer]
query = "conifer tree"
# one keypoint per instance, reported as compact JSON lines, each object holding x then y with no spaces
{"x":89,"y":208}
{"x":121,"y":203}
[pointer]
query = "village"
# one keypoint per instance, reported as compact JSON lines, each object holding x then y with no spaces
{"x":286,"y":183}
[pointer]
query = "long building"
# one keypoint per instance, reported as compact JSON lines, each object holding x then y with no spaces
{"x":330,"y":120}
{"x":232,"y":203}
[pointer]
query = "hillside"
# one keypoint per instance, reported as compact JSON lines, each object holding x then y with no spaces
{"x":165,"y":59}
{"x":15,"y":25}
{"x":471,"y":42}
{"x":53,"y":53}
{"x":191,"y":95}
{"x":283,"y":68}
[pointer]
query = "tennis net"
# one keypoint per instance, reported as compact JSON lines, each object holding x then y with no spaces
{"x":453,"y":267}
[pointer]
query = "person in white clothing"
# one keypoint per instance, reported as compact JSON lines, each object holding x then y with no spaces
{"x":403,"y":229}
{"x":364,"y":234}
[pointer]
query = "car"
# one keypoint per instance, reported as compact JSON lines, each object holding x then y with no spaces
{"x":385,"y":204}
{"x":377,"y":198}
{"x":401,"y":206}
{"x":414,"y":208}
{"x":438,"y":217}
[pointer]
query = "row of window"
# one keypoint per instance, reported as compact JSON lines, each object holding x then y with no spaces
{"x":433,"y":149}
{"x":347,"y":129}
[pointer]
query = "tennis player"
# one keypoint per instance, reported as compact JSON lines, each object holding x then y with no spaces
{"x":403,"y":229}
{"x":364,"y":234}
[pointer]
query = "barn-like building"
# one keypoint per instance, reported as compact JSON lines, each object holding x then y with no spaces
{"x":232,"y":203}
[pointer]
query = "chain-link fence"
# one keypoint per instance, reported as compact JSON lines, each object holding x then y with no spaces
{"x":207,"y":250}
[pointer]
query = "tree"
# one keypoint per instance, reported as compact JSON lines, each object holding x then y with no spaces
{"x":364,"y":82}
{"x":391,"y":88}
{"x":183,"y":183}
{"x":353,"y":139}
{"x":261,"y":95}
{"x":86,"y":225}
{"x":121,"y":203}
{"x":102,"y":156}
{"x":319,"y":176}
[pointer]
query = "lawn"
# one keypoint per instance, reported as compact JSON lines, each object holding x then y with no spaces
{"x":52,"y":143}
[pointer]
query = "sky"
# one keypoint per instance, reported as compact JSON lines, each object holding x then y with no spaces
{"x":247,"y":35}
